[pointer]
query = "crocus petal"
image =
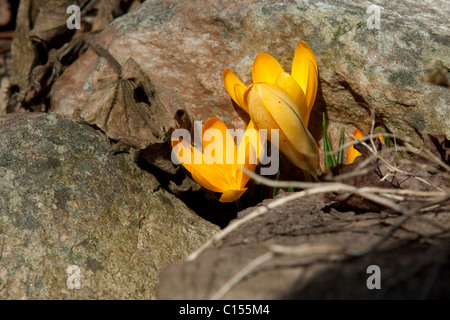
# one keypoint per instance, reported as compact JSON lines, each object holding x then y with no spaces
{"x":265,"y":68}
{"x":247,"y":152}
{"x":226,"y":145}
{"x":206,"y":175}
{"x":239,"y":91}
{"x":224,"y":178}
{"x":286,"y":82}
{"x":254,"y":137}
{"x":234,"y":87}
{"x":304,"y":71}
{"x":231,"y":195}
{"x":358,"y":134}
{"x":271,"y":108}
{"x":352,"y":152}
{"x":224,"y":148}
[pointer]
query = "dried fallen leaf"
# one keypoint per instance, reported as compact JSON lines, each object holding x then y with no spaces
{"x":106,"y":12}
{"x":128,"y":109}
{"x":137,"y":112}
{"x":24,"y":54}
{"x":42,"y":77}
{"x":40,"y":29}
{"x":49,"y":22}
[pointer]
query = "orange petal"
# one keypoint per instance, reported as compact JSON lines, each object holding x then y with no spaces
{"x":358,"y":134}
{"x":246,"y":151}
{"x":225,"y":145}
{"x":231,"y":195}
{"x":255,"y":138}
{"x":239,"y":92}
{"x":271,"y":108}
{"x":265,"y":68}
{"x":208,"y":176}
{"x":221,"y":151}
{"x":352,"y":153}
{"x":304,"y":71}
{"x":295,"y":92}
{"x":234,"y":87}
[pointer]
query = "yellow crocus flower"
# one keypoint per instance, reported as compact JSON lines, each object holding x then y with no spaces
{"x":216,"y":168}
{"x":278,"y":100}
{"x":271,"y":108}
{"x":352,"y":152}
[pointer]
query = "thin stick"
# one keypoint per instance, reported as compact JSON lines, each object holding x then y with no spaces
{"x":341,"y":186}
{"x":315,"y":188}
{"x":242,"y":274}
{"x":395,"y":226}
{"x":256,"y":213}
{"x":303,"y":250}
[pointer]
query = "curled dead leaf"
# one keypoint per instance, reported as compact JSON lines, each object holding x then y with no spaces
{"x":136,"y":112}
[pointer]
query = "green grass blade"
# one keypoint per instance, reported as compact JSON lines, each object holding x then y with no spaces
{"x":329,"y":159}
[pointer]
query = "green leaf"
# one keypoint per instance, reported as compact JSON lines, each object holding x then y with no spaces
{"x":329,"y":159}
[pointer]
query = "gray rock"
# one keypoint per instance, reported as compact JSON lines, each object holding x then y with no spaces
{"x":317,"y":262}
{"x":66,"y":200}
{"x":187,"y":44}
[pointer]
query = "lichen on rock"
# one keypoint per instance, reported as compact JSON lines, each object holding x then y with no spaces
{"x":65,"y":200}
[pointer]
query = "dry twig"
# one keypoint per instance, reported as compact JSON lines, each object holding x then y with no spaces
{"x":371,"y":193}
{"x":381,"y":196}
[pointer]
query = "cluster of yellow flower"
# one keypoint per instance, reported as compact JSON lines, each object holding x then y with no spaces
{"x":276,"y":101}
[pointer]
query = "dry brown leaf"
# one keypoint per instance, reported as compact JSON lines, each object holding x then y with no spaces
{"x":128,"y":108}
{"x":137,"y":112}
{"x":41,"y":28}
{"x":49,"y":23}
{"x":107,"y":10}
{"x":43,"y":76}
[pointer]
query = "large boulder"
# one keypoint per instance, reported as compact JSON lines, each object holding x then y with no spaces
{"x":313,"y":249}
{"x":70,"y":209}
{"x":187,"y":44}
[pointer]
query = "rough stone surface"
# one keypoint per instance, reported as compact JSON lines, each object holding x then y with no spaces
{"x":187,"y":44}
{"x":413,"y":261}
{"x":66,"y":200}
